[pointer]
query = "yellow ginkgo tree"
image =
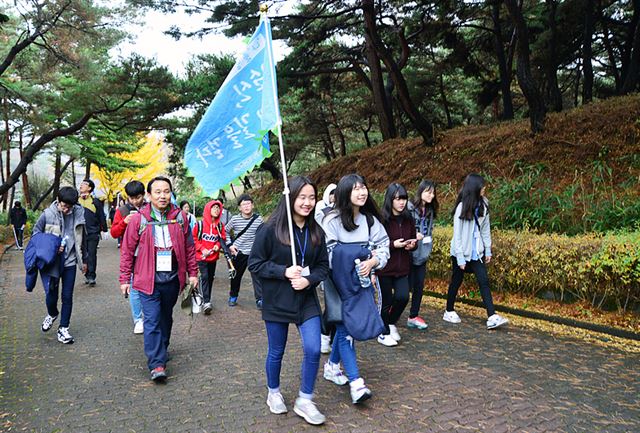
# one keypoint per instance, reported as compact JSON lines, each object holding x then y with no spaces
{"x":153,"y":158}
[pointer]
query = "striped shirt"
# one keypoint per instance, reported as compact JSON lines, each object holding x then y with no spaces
{"x":236,"y":224}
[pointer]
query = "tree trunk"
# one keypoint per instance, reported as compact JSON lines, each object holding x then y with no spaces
{"x":537,"y":110}
{"x":57,"y":173}
{"x":381,"y":103}
{"x":87,"y":170}
{"x":627,"y":46}
{"x":554,"y":95}
{"x":424,"y":127}
{"x":610,"y":54}
{"x":25,"y":179}
{"x":5,"y":202}
{"x":445,"y":103}
{"x":48,"y":191}
{"x":587,"y":53}
{"x":269,"y":166}
{"x":505,"y":73}
{"x":367,"y":139}
{"x":631,"y":77}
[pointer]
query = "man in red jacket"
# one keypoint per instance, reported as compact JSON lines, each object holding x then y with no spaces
{"x":135,"y":200}
{"x":208,"y":235}
{"x":158,"y":247}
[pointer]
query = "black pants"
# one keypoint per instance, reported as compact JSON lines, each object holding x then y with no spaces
{"x":92,"y":256}
{"x":19,"y":235}
{"x":207,"y":274}
{"x":416,"y":281}
{"x":395,"y":296}
{"x":457,"y":275}
{"x":240,"y":262}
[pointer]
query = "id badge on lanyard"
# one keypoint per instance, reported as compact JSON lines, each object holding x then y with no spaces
{"x":163,"y":261}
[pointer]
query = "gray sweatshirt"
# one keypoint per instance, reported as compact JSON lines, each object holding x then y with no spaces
{"x":462,"y":241}
{"x":377,"y":235}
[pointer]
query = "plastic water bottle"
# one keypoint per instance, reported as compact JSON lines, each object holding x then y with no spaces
{"x":365,"y":281}
{"x":63,"y":243}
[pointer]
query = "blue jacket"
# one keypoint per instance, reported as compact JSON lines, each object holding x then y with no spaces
{"x":360,"y":314}
{"x":41,"y":255}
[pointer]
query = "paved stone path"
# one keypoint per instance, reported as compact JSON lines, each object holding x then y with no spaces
{"x":450,"y":378}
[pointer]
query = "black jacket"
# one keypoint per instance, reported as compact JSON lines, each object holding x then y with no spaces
{"x":95,"y":222}
{"x":268,"y":261}
{"x":18,"y":216}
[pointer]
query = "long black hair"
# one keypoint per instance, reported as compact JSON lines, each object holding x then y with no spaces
{"x":344,"y":207}
{"x":394,"y":190}
{"x":426,"y":185}
{"x":279,"y":216}
{"x":471,"y":198}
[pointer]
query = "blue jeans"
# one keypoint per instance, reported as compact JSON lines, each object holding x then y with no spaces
{"x":158,"y":321}
{"x":345,"y":350}
{"x":68,"y":277}
{"x":277,"y":337}
{"x":136,"y":304}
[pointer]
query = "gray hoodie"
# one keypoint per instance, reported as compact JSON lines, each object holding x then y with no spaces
{"x":52,"y":221}
{"x":323,"y":206}
{"x":462,"y":241}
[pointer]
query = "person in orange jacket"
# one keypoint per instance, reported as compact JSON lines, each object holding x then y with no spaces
{"x":208,"y":235}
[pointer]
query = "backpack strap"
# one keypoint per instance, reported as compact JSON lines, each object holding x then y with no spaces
{"x":199,"y":230}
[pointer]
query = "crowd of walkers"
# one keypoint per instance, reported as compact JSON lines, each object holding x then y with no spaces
{"x":369,"y":263}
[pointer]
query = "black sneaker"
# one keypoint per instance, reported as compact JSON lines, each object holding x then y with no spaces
{"x":64,"y":337}
{"x":92,"y":282}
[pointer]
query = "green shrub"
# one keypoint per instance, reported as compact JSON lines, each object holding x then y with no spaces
{"x":605,"y":270}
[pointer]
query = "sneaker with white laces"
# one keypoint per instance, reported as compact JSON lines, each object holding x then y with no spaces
{"x":275,"y":401}
{"x":393,"y":331}
{"x":138,"y":327}
{"x":325,"y":343}
{"x":47,"y":323}
{"x":387,"y":340}
{"x":63,"y":336}
{"x":417,"y":323}
{"x":333,"y":373}
{"x":359,"y":391}
{"x":307,"y":409}
{"x":496,"y":321}
{"x":451,"y":317}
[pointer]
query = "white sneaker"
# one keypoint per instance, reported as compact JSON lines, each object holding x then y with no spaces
{"x":138,"y":327}
{"x":393,"y":331}
{"x":207,"y":308}
{"x":47,"y":323}
{"x":387,"y":340}
{"x":359,"y":391}
{"x":451,"y":317}
{"x":64,"y":337}
{"x":325,"y":343}
{"x":495,"y":321}
{"x":275,"y":401}
{"x":333,"y":373}
{"x":307,"y":409}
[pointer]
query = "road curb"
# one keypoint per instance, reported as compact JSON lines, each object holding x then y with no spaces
{"x":616,"y":332}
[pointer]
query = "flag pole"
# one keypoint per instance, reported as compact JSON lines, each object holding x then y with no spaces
{"x":264,"y":8}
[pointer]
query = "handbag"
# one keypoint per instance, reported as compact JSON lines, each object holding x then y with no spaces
{"x":190,"y":300}
{"x":332,"y":301}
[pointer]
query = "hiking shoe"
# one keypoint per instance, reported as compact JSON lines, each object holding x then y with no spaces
{"x":47,"y":323}
{"x":416,"y":323}
{"x":359,"y":392}
{"x":307,"y":409}
{"x":393,"y":331}
{"x":159,"y":374}
{"x":64,"y":337}
{"x":333,"y":373}
{"x":207,"y":308}
{"x":451,"y":317}
{"x":387,"y":340}
{"x":138,"y":327}
{"x":92,"y":282}
{"x":275,"y":401}
{"x":325,"y":343}
{"x":496,"y":321}
{"x":259,"y":304}
{"x":233,"y":301}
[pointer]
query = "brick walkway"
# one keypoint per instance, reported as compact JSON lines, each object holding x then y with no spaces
{"x":450,"y":378}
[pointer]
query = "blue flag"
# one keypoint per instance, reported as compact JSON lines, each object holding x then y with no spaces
{"x":233,"y":135}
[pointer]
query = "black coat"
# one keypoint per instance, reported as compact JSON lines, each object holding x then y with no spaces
{"x":18,"y":216}
{"x":268,"y":261}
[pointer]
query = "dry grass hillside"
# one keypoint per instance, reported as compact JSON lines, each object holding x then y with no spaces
{"x":606,"y":131}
